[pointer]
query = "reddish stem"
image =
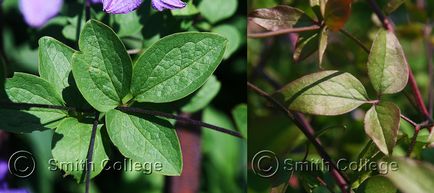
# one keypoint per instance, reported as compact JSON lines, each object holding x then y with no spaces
{"x":416,"y":92}
{"x":190,"y":140}
{"x":283,"y":31}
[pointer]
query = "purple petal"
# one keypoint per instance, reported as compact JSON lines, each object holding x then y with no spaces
{"x":161,"y":5}
{"x":120,"y":6}
{"x":38,"y":12}
{"x":14,"y":191}
{"x":3,"y":169}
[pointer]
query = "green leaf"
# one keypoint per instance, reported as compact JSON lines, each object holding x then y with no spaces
{"x":306,"y":45}
{"x":203,"y":96}
{"x":226,"y":166}
{"x":102,"y":68}
{"x":314,"y":3}
{"x":26,"y":88}
{"x":323,"y":93}
{"x":232,"y":35}
{"x":128,"y":24}
{"x":55,"y":62}
{"x":240,"y":117}
{"x":176,"y":66}
{"x":377,"y":184}
{"x":276,"y":18}
{"x":322,"y":43}
{"x":55,"y":66}
{"x":369,"y":155}
{"x":411,"y":176}
{"x":217,"y":10}
{"x":70,"y":147}
{"x":146,"y":139}
{"x":188,"y":10}
{"x":73,"y":23}
{"x":382,"y":124}
{"x":387,"y":66}
{"x":321,"y":189}
{"x":336,"y":13}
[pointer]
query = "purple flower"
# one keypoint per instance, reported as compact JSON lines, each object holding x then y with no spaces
{"x":3,"y":170}
{"x":3,"y":185}
{"x":120,"y":6}
{"x":38,"y":12}
{"x":14,"y":191}
{"x":160,"y":5}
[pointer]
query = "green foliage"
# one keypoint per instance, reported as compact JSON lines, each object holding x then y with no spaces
{"x":87,"y":66}
{"x":217,"y":10}
{"x":387,"y":67}
{"x":129,"y":24}
{"x":231,"y":166}
{"x":382,"y":124}
{"x":187,"y":61}
{"x":201,"y":98}
{"x":323,"y":93}
{"x":146,"y":139}
{"x":337,"y":68}
{"x":232,"y":35}
{"x":306,"y":45}
{"x":189,"y":10}
{"x":322,"y":43}
{"x":55,"y":62}
{"x":102,"y":68}
{"x":26,"y":88}
{"x":412,"y":176}
{"x":377,"y":184}
{"x":240,"y":117}
{"x":171,"y":69}
{"x":70,"y":146}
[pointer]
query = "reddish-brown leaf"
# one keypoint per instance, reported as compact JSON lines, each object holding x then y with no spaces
{"x":276,"y":18}
{"x":337,"y":13}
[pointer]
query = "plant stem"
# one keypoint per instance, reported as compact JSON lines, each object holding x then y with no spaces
{"x":90,"y":151}
{"x":87,"y":9}
{"x":26,"y":106}
{"x":418,"y":97}
{"x":408,"y":120}
{"x":383,"y":19}
{"x":283,"y":31}
{"x":181,"y":119}
{"x":413,"y":140}
{"x":301,"y":124}
{"x":356,"y":40}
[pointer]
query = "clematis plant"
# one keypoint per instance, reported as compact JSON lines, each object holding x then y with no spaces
{"x":38,"y":12}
